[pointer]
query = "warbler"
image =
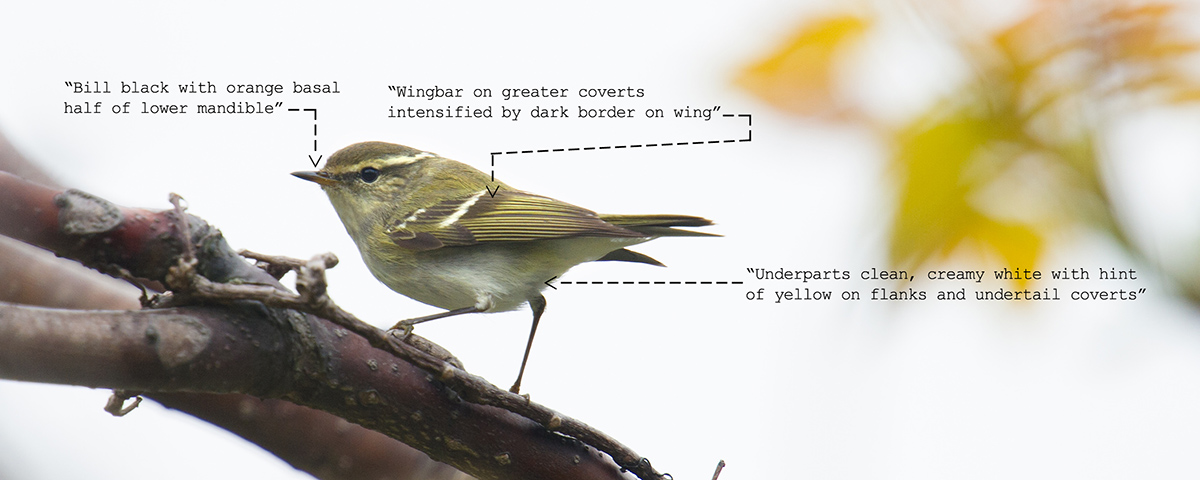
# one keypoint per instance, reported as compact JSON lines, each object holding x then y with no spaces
{"x":446,"y":234}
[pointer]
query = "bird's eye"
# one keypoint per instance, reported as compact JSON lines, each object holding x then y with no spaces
{"x":369,"y":174}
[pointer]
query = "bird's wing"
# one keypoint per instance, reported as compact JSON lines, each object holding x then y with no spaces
{"x":506,"y":216}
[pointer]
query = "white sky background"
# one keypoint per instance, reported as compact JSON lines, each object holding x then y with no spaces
{"x":684,"y":375}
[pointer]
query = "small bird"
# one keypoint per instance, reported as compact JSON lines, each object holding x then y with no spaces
{"x":446,"y":234}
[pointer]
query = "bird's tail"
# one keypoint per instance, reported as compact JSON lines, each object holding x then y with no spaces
{"x":655,"y":226}
{"x":660,"y":225}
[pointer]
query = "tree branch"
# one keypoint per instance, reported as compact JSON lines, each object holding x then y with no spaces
{"x":409,"y":405}
{"x":248,"y":349}
{"x":317,"y":442}
{"x":313,"y":441}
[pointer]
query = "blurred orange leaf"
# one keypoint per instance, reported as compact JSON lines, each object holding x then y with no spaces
{"x":800,"y":76}
{"x":1140,"y":29}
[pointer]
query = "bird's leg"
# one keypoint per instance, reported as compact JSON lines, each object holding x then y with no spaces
{"x":406,"y":326}
{"x":538,"y":305}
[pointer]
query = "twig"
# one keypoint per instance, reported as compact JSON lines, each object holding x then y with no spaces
{"x":120,"y":272}
{"x":312,"y":298}
{"x":278,"y":265}
{"x":184,"y":230}
{"x":116,"y":403}
{"x":290,"y":263}
{"x":720,"y":466}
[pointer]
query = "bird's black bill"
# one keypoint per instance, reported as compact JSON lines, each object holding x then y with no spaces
{"x":315,"y":177}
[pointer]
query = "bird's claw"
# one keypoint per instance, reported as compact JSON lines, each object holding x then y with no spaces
{"x":402,"y":330}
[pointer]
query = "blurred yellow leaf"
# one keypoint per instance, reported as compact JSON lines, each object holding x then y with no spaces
{"x":933,"y":209}
{"x":1018,"y":245}
{"x":800,"y":76}
{"x":943,"y":161}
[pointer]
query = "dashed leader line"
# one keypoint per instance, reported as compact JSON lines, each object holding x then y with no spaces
{"x":314,"y":112}
{"x":749,"y":137}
